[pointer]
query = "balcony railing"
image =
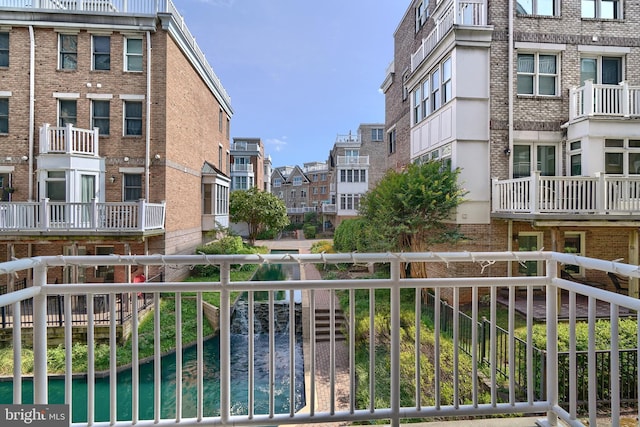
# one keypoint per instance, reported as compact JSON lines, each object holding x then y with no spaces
{"x":602,"y":194}
{"x":193,"y":401}
{"x":68,"y":140}
{"x":604,"y":100}
{"x":352,"y":160}
{"x":144,"y":7}
{"x":245,"y":146}
{"x":301,"y":210}
{"x":472,"y":13}
{"x":47,"y":216}
{"x":237,"y":167}
{"x":328,"y":208}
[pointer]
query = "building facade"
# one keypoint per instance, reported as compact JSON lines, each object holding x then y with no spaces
{"x":114,"y":133}
{"x":247,"y":164}
{"x":537,"y":104}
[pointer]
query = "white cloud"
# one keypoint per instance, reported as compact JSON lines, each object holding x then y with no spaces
{"x":276,"y":144}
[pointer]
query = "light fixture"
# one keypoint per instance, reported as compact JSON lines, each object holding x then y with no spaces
{"x":157,"y":156}
{"x":507,"y":151}
{"x":112,"y":179}
{"x":126,"y":159}
{"x":25,"y":158}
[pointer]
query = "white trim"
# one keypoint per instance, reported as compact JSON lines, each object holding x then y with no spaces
{"x":7,"y":169}
{"x":551,"y":47}
{"x":128,"y":97}
{"x":605,"y":49}
{"x":131,"y":170}
{"x":66,"y":95}
{"x":67,"y":31}
{"x":5,"y":93}
{"x":99,"y":96}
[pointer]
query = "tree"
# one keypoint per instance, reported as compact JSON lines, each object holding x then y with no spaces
{"x":410,"y":210}
{"x":260,"y":210}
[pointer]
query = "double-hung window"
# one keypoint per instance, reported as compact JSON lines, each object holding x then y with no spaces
{"x":297,"y":180}
{"x":622,"y":156}
{"x":601,"y":69}
{"x":446,"y":81}
{"x":4,"y":115}
{"x":421,"y":14}
{"x":101,"y":53}
{"x":417,"y":106}
{"x":538,"y":7}
{"x":133,"y":54}
{"x":602,"y":9}
{"x":435,"y":90}
{"x":133,"y":118}
{"x":132,"y":187}
{"x":67,"y":112}
{"x":376,"y":134}
{"x":537,"y":74}
{"x":68,"y":51}
{"x":4,"y":49}
{"x":100,"y":116}
{"x":426,"y":92}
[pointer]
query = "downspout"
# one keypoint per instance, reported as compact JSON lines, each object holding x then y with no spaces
{"x":147,"y":159}
{"x":32,"y":83}
{"x":510,"y":86}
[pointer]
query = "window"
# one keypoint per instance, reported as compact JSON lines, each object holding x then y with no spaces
{"x":446,"y":81}
{"x":574,"y":243}
{"x":538,"y":7}
{"x":376,"y":134}
{"x":297,"y":180}
{"x":526,"y":155}
{"x":207,"y":199}
{"x":4,"y":49}
{"x":391,"y":136}
{"x":622,"y":156}
{"x":601,"y":70}
{"x":56,"y":186}
{"x":350,"y":201}
{"x":240,"y":183}
{"x":530,"y":241}
{"x":323,"y":190}
{"x":133,"y":54}
{"x":68,"y":51}
{"x":100,"y":119}
{"x":68,"y":112}
{"x":132,"y":187}
{"x":537,"y":74}
{"x":222,"y":199}
{"x":421,"y":14}
{"x":426,"y":91}
{"x":601,"y":9}
{"x":323,"y":177}
{"x":101,"y":52}
{"x":575,"y":158}
{"x":220,"y":120}
{"x":133,"y":118}
{"x":435,"y":90}
{"x":277,"y":182}
{"x":303,"y":193}
{"x":4,"y":115}
{"x":417,"y":106}
{"x":315,"y":190}
{"x":220,"y":157}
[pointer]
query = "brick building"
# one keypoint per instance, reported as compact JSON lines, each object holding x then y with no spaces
{"x":247,"y":164}
{"x":537,"y":103}
{"x":114,"y":133}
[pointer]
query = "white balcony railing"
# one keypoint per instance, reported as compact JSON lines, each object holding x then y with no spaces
{"x":471,"y":13}
{"x":189,"y":407}
{"x":302,"y":210}
{"x":47,"y":216}
{"x":144,"y":7}
{"x":237,"y":167}
{"x":328,"y":208}
{"x":603,"y":194}
{"x":604,"y":100}
{"x":352,"y":160}
{"x":68,"y":140}
{"x":245,"y":146}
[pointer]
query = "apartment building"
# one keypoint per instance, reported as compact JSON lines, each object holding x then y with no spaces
{"x":247,"y":164}
{"x":114,"y":133}
{"x":538,"y":104}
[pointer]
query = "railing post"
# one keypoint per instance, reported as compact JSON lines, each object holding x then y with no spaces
{"x":45,"y":138}
{"x":225,"y":344}
{"x":535,"y":192}
{"x":44,"y":214}
{"x":587,"y":98}
{"x":141,"y":214}
{"x":625,"y":98}
{"x":69,"y":140}
{"x":495,"y":199}
{"x":602,"y":193}
{"x":552,"y":342}
{"x":96,"y":141}
{"x":573,"y":103}
{"x":40,"y":337}
{"x":395,"y":343}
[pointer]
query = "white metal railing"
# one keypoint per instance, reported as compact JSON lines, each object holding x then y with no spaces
{"x":91,"y":216}
{"x":352,"y":160}
{"x":465,"y":406}
{"x":301,"y":210}
{"x":604,"y":100}
{"x":329,"y":208}
{"x":68,"y":140}
{"x":472,"y":13}
{"x":602,"y":194}
{"x":237,"y":167}
{"x":245,"y":146}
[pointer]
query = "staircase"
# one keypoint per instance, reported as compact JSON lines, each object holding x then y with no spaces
{"x":323,"y":325}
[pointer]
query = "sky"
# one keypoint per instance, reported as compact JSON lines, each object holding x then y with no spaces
{"x":298,"y":72}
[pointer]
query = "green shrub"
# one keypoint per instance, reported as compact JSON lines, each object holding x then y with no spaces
{"x":351,"y":236}
{"x":323,"y":246}
{"x":228,"y":245}
{"x":309,"y":231}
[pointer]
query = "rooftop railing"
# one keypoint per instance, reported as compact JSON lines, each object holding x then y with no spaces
{"x":602,"y":194}
{"x":449,"y":400}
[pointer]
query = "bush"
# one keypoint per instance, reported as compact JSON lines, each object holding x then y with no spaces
{"x":228,"y":245}
{"x":309,"y":231}
{"x":323,"y":246}
{"x":351,"y":236}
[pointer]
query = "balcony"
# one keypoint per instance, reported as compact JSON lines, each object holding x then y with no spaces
{"x":328,"y":208}
{"x":68,"y":140}
{"x":34,"y":218}
{"x":545,"y":195}
{"x":245,"y":146}
{"x":551,"y":392}
{"x":305,"y":209}
{"x":242,"y":168}
{"x":469,"y":13}
{"x":144,"y":7}
{"x":352,"y":161}
{"x":597,"y":100}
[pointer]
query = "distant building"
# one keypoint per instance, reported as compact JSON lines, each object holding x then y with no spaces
{"x":107,"y":145}
{"x":247,"y":164}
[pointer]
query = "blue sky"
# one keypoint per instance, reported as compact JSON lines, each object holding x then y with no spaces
{"x":298,"y":72}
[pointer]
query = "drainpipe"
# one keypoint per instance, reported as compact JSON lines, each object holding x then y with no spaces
{"x":510,"y":85}
{"x":147,"y":158}
{"x":32,"y":83}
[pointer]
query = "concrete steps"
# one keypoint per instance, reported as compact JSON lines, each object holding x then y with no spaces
{"x":323,"y":325}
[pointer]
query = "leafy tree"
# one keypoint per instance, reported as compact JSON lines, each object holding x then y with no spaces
{"x":410,"y":210}
{"x":259,"y":209}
